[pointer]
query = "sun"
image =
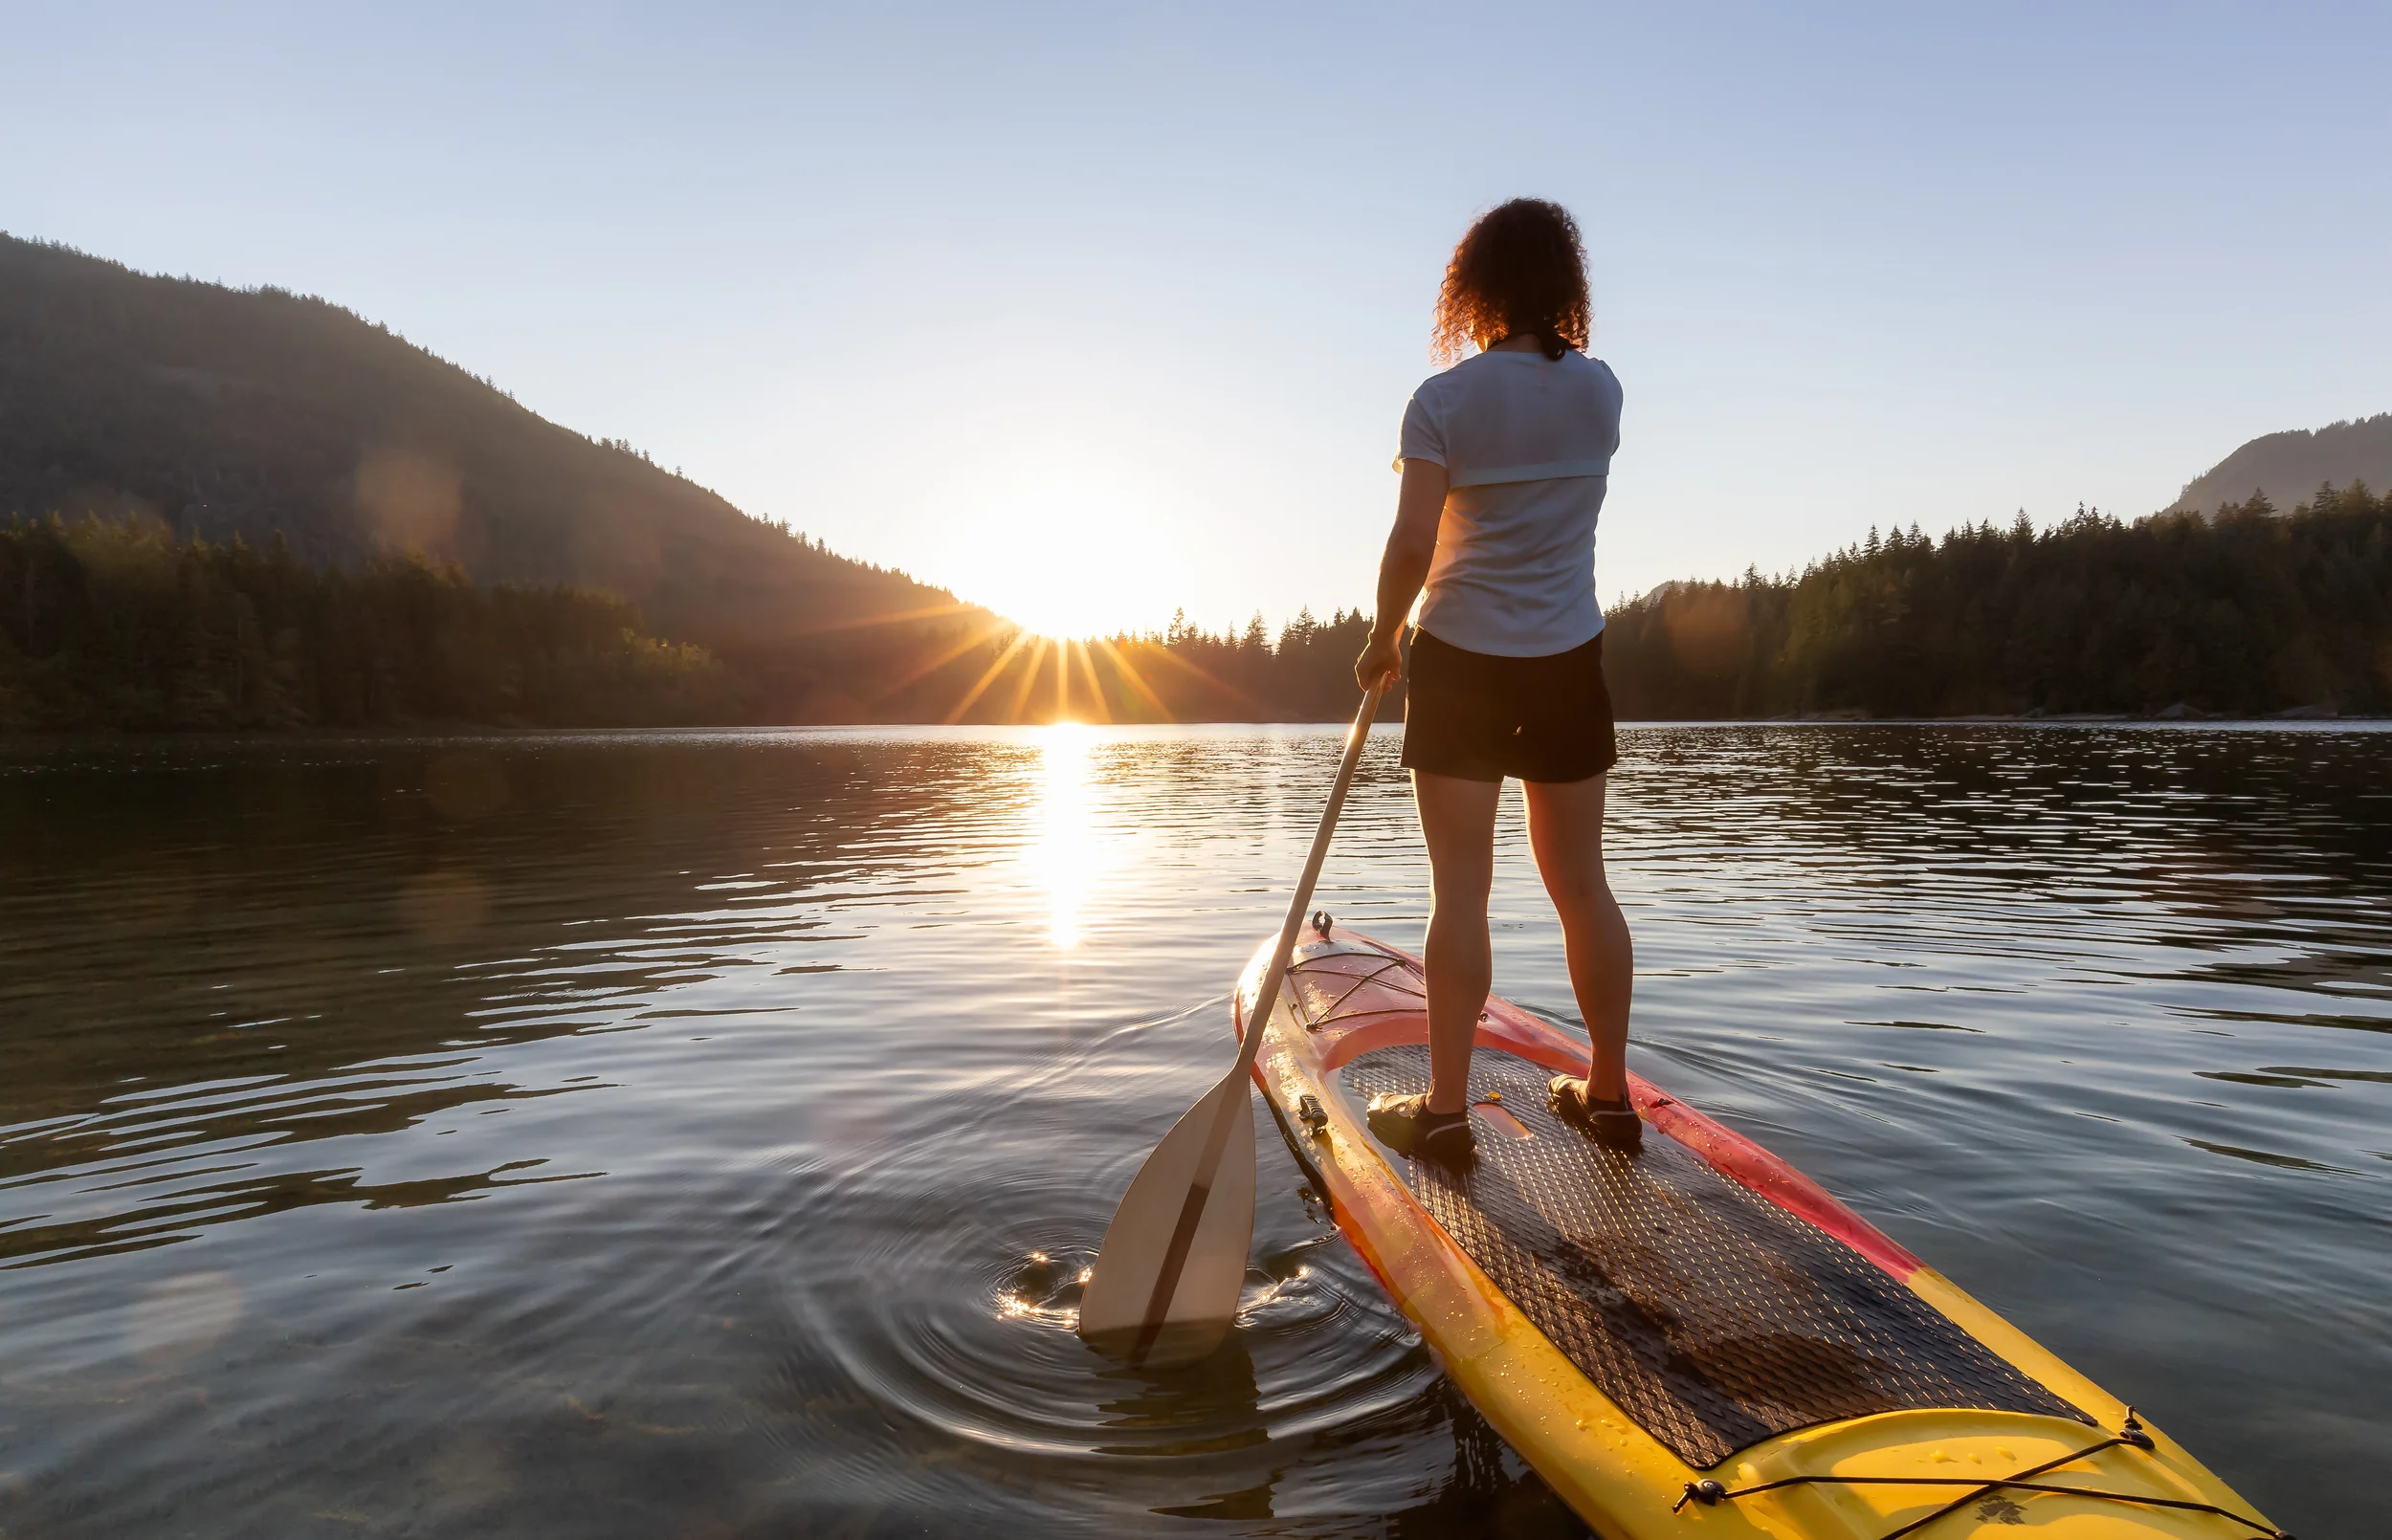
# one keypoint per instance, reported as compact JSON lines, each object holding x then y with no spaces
{"x":1068,"y":564}
{"x":1066,"y":602}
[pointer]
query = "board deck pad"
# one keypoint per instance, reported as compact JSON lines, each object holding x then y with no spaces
{"x":1711,"y":1315}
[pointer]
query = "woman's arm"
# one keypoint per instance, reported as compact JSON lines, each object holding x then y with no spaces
{"x":1402,"y":569}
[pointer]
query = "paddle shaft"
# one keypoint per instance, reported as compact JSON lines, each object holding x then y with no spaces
{"x":1266,"y":1000}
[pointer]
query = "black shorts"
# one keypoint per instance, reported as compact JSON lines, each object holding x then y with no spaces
{"x":1478,"y":716}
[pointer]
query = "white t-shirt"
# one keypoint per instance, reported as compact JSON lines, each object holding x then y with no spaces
{"x":1527,"y":442}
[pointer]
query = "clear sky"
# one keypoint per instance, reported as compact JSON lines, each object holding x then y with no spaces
{"x":1092,"y":313}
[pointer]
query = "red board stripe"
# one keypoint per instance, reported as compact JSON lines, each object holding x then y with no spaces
{"x":1727,"y":1152}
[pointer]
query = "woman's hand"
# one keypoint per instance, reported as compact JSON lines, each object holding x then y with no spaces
{"x":1380,"y":664}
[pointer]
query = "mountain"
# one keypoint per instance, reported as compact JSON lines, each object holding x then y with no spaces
{"x":269,"y":513}
{"x":219,"y":413}
{"x":2290,"y":466}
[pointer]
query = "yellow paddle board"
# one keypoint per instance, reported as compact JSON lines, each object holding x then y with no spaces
{"x":1694,"y":1340}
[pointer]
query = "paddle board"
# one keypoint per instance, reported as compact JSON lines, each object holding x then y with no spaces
{"x":1694,"y":1339}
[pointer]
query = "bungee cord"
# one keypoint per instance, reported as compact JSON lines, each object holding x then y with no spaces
{"x":1709,"y":1493}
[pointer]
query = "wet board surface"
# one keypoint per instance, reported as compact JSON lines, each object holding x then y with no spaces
{"x":1711,"y":1315}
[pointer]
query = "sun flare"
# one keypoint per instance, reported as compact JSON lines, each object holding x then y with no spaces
{"x":1062,"y":607}
{"x":1069,"y":564}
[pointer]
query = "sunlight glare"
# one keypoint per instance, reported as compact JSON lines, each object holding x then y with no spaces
{"x":1067,"y":562}
{"x":1066,"y":857}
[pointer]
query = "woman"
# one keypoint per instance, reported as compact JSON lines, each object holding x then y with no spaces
{"x":1505,"y":459}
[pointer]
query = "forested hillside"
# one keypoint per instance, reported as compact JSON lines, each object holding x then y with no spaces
{"x":225,"y":509}
{"x":116,"y":625}
{"x":121,"y":626}
{"x":220,"y":414}
{"x":252,"y":509}
{"x":2244,"y":613}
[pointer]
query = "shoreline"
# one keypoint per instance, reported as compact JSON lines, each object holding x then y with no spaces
{"x":398,"y":732}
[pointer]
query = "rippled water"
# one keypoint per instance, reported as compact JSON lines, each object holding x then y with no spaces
{"x":699,"y":1136}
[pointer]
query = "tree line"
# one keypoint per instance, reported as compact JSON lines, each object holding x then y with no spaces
{"x":2247,"y":612}
{"x":124,"y":624}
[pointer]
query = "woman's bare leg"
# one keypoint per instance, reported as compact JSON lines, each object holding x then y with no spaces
{"x":1565,"y":830}
{"x":1457,"y":821}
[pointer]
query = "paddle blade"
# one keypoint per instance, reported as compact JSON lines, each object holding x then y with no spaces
{"x":1114,"y":1308}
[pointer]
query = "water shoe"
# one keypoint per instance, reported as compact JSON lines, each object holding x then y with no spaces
{"x":1613,"y":1125}
{"x":1405,"y":1124}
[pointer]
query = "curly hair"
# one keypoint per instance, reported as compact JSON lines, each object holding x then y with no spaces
{"x":1520,"y":268}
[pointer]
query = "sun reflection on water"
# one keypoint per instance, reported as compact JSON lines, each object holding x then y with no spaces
{"x":1066,"y":857}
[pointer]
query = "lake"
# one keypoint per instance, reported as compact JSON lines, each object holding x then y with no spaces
{"x":699,"y":1135}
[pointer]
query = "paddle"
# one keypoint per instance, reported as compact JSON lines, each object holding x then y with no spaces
{"x":1165,"y":1281}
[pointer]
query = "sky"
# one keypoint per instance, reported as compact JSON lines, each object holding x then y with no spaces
{"x":1094,"y":314}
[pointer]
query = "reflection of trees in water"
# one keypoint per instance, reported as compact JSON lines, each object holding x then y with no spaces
{"x":1491,"y":1492}
{"x":223,"y":960}
{"x":2214,"y":821}
{"x":1488,"y":1490}
{"x":533,"y":889}
{"x":332,"y":935}
{"x":1215,"y":1400}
